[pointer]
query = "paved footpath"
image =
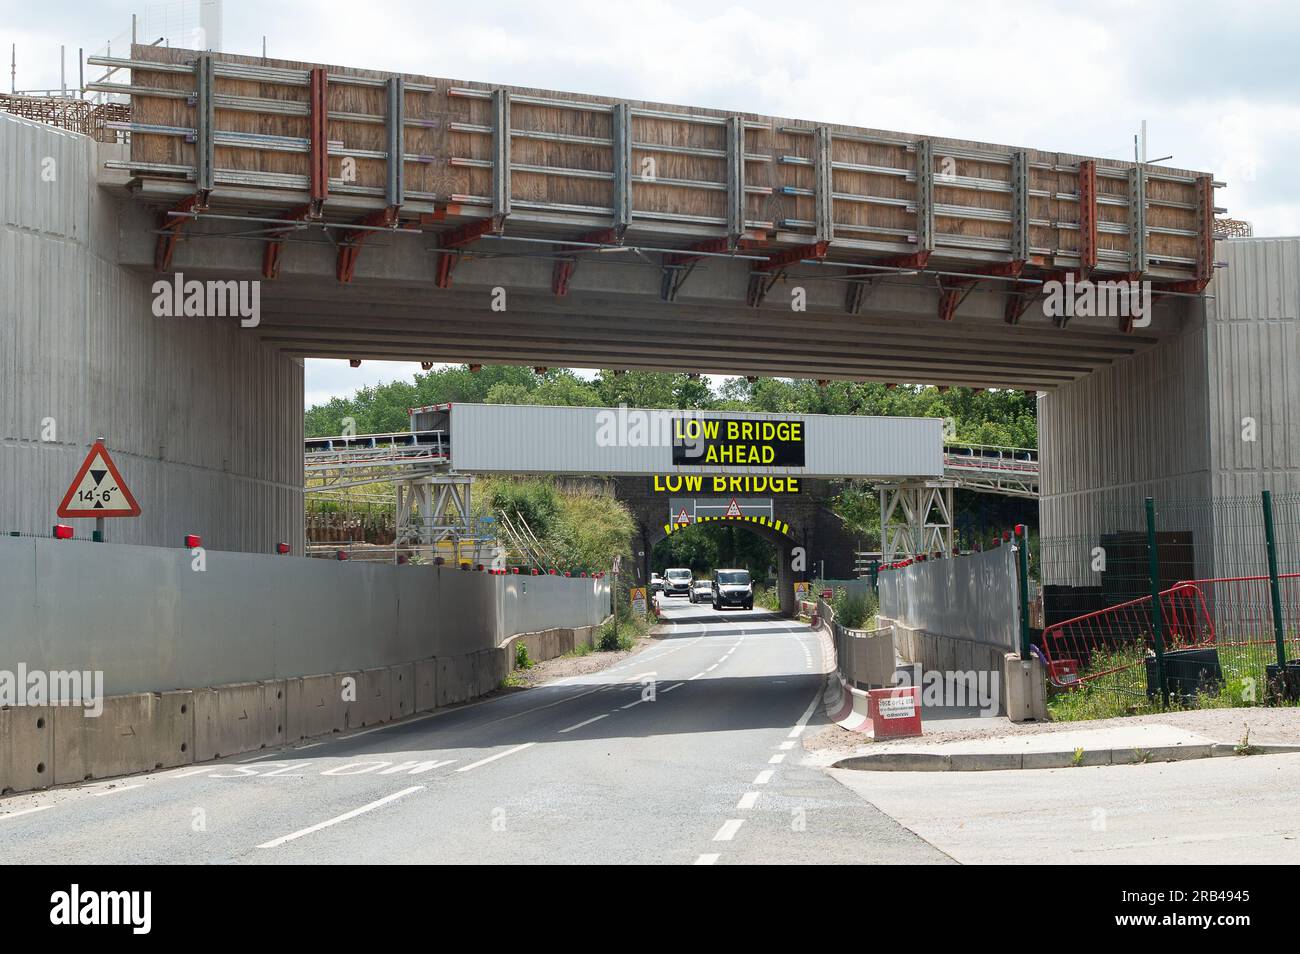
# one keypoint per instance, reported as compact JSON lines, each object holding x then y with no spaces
{"x":708,"y":769}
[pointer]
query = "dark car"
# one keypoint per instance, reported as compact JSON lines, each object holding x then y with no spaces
{"x":733,"y":588}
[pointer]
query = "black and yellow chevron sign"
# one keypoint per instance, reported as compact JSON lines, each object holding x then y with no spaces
{"x":779,"y":525}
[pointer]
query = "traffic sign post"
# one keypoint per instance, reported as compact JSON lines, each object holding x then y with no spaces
{"x":98,"y":491}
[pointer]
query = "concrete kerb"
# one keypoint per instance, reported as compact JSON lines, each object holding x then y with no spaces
{"x":1014,"y":761}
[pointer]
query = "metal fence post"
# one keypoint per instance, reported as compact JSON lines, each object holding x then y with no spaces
{"x":1022,"y":531}
{"x":1157,"y":616}
{"x":1279,"y":629}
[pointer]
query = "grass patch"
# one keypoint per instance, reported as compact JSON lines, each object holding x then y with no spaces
{"x":513,"y":681}
{"x":767,"y":597}
{"x":1124,"y":691}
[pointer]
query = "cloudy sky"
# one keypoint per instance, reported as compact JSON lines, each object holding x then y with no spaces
{"x":1217,"y":83}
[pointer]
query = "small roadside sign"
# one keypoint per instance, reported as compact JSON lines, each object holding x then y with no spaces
{"x":639,"y":604}
{"x":98,"y":490}
{"x":683,"y":517}
{"x":733,"y":509}
{"x":801,"y":591}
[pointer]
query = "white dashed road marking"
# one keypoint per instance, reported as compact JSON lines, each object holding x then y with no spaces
{"x":276,"y":842}
{"x":603,"y":715}
{"x":729,"y":829}
{"x":747,"y":801}
{"x":493,"y":758}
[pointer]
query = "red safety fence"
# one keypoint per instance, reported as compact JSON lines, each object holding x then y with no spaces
{"x":1114,"y":640}
{"x":1234,"y":615}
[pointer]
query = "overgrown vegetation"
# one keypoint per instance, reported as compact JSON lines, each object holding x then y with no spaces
{"x":522,"y":659}
{"x":1124,"y":691}
{"x":581,"y":531}
{"x":767,"y":597}
{"x":854,"y":609}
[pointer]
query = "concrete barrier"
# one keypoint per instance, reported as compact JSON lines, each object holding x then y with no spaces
{"x":238,"y":718}
{"x":314,"y":706}
{"x":140,"y":732}
{"x":401,"y":687}
{"x":26,"y":748}
{"x":455,"y":677}
{"x":135,"y":733}
{"x":426,"y":685}
{"x":374,"y":703}
{"x":874,"y":659}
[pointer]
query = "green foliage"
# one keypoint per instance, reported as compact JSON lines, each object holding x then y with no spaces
{"x":619,"y":638}
{"x":522,"y":659}
{"x":581,"y":531}
{"x":706,"y":547}
{"x":853,"y":609}
{"x":767,"y":597}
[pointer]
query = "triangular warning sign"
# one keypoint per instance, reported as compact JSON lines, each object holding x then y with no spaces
{"x":734,"y":509}
{"x":683,"y":517}
{"x":98,"y":490}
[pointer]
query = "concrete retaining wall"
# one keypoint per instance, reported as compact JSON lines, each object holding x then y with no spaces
{"x":150,"y":622}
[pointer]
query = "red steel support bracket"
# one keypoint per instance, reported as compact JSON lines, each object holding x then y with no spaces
{"x":759,"y":282}
{"x":953,"y":291}
{"x":456,"y":238}
{"x":677,"y":266}
{"x":170,"y":227}
{"x":352,"y":240}
{"x":855,"y":293}
{"x":564,"y":267}
{"x":271,"y":250}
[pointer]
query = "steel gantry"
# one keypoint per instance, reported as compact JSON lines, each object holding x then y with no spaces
{"x":915,"y":518}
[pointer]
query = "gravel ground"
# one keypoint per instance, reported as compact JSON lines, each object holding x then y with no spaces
{"x":1280,"y":725}
{"x":564,"y":667}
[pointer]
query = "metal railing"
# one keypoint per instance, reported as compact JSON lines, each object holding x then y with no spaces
{"x":992,"y":468}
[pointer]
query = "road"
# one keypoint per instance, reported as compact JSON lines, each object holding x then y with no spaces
{"x":706,"y":769}
{"x":1243,"y":809}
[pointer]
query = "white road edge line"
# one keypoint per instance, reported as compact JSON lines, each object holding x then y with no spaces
{"x":277,"y":842}
{"x":763,"y":777}
{"x":776,"y":759}
{"x":747,"y":801}
{"x":493,"y":758}
{"x":603,"y":715}
{"x":729,"y":829}
{"x":706,"y":859}
{"x":119,"y":788}
{"x":24,"y":811}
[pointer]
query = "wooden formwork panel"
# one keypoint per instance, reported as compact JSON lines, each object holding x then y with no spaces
{"x":888,"y":192}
